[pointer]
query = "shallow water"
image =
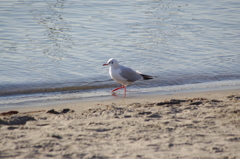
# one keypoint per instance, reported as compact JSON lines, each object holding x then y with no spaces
{"x":55,"y":46}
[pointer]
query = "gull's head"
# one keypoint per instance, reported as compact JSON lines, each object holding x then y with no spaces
{"x":111,"y":62}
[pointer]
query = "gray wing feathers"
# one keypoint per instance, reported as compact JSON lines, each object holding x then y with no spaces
{"x":129,"y":74}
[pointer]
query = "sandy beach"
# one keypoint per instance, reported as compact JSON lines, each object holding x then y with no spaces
{"x":181,"y":125}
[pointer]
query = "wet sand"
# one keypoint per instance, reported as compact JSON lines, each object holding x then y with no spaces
{"x":184,"y":125}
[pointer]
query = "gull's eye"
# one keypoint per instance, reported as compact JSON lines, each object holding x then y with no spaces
{"x":111,"y":62}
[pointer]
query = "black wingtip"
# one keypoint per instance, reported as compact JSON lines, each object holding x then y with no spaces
{"x":146,"y":77}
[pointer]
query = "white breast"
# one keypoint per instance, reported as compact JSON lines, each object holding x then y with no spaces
{"x":115,"y":74}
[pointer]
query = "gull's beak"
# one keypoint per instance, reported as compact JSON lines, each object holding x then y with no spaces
{"x":105,"y":64}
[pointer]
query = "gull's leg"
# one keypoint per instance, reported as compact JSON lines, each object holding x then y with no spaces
{"x":119,"y":88}
{"x":125,"y":88}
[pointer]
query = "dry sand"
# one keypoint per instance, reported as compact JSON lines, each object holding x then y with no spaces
{"x":186,"y":125}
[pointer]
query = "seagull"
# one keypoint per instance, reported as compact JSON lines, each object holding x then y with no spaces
{"x":124,"y":75}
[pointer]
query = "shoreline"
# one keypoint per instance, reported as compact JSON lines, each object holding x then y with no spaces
{"x":178,"y":125}
{"x":119,"y":97}
{"x":39,"y":99}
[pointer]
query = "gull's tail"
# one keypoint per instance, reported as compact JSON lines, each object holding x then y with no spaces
{"x":146,"y":77}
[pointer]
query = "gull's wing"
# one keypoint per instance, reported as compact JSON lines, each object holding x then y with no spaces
{"x":129,"y":74}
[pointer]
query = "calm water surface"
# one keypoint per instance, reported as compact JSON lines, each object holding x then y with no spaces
{"x":59,"y":45}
